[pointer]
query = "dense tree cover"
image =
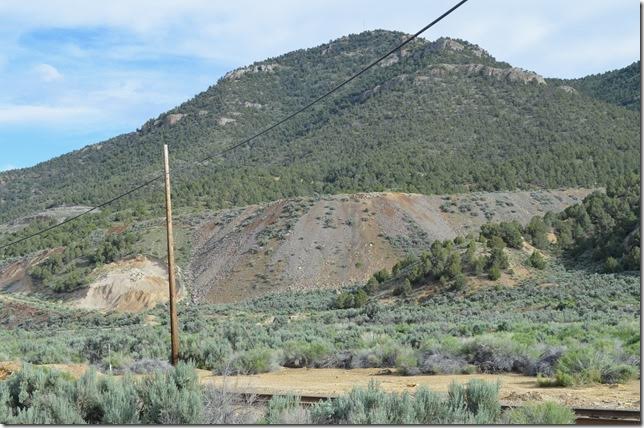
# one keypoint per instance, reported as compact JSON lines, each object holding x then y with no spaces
{"x":620,"y":87}
{"x":449,"y":262}
{"x":405,"y":126}
{"x":606,"y":225}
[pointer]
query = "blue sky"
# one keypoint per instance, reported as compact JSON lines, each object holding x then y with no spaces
{"x":74,"y":73}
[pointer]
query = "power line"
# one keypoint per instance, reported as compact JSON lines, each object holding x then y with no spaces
{"x":255,"y":136}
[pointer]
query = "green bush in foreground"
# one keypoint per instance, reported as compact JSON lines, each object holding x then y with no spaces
{"x":548,"y":413}
{"x":476,"y":402}
{"x":43,"y":396}
{"x":584,"y":365}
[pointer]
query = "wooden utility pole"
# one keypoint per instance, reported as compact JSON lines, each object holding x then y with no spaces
{"x":174,"y":331}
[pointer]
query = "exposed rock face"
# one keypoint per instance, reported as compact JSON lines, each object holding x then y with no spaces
{"x":225,"y":120}
{"x":511,"y":74}
{"x":172,"y":119}
{"x":236,"y":74}
{"x":568,"y":89}
{"x":390,"y":60}
{"x":445,"y":43}
{"x":249,"y":104}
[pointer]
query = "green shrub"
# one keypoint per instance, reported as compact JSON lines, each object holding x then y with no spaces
{"x":253,"y":361}
{"x":476,"y":402}
{"x":494,"y":273}
{"x":116,"y":360}
{"x":404,"y":290}
{"x":537,"y":260}
{"x":612,"y":265}
{"x":618,"y":373}
{"x":305,"y":354}
{"x":171,"y":398}
{"x":382,"y":275}
{"x":585,"y":365}
{"x":483,"y":400}
{"x":120,"y":401}
{"x":372,"y":286}
{"x":407,"y":362}
{"x":548,"y":413}
{"x":497,"y":258}
{"x":537,"y":232}
{"x":204,"y":353}
{"x":286,"y":410}
{"x":360,"y":298}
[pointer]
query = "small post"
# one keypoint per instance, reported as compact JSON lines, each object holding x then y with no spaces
{"x":109,"y":355}
{"x":174,"y":332}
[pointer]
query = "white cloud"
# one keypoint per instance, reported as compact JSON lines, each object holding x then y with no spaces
{"x":41,"y":114}
{"x":47,"y":73}
{"x":243,"y":31}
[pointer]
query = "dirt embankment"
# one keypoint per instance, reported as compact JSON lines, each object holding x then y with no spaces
{"x":14,"y":277}
{"x":131,"y":285}
{"x":308,"y":243}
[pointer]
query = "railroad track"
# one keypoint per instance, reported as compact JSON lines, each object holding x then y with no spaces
{"x":585,"y":416}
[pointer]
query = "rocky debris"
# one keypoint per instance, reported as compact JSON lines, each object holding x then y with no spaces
{"x":202,"y":112}
{"x":266,"y":68}
{"x":511,"y":74}
{"x":568,"y":89}
{"x":249,"y":104}
{"x":225,"y":120}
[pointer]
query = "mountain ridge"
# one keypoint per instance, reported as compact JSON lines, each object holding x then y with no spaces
{"x":465,"y":125}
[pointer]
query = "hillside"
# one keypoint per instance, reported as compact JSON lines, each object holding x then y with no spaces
{"x":620,"y":87}
{"x":312,"y":244}
{"x":440,"y":116}
{"x":290,"y":244}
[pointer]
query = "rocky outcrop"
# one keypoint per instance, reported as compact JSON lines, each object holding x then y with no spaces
{"x":447,"y":44}
{"x":259,"y":68}
{"x":172,"y":119}
{"x":249,"y":104}
{"x":225,"y":120}
{"x":510,"y":74}
{"x":568,"y":89}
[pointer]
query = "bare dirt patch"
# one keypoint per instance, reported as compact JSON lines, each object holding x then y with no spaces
{"x":131,"y":285}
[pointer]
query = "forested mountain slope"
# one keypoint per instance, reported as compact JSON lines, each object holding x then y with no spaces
{"x":620,"y":87}
{"x":441,"y":116}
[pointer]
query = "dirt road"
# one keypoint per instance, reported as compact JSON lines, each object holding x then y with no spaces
{"x":515,"y":389}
